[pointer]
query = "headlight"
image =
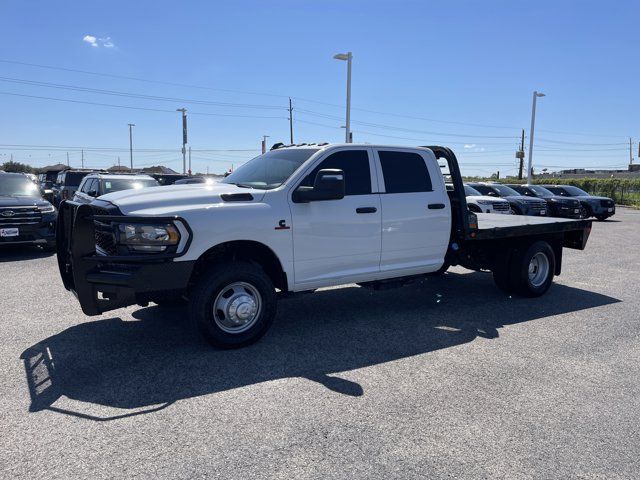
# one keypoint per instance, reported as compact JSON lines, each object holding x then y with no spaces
{"x":554,"y":200}
{"x":47,"y":208}
{"x":148,"y":238}
{"x":485,"y":202}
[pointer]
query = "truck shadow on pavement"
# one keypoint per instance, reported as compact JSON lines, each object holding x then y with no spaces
{"x":154,"y":360}
{"x":16,"y":253}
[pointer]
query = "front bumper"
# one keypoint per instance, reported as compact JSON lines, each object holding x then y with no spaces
{"x":564,"y":210}
{"x":106,"y":282}
{"x":42,"y":233}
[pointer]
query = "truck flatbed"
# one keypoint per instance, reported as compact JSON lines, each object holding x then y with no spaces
{"x":492,"y":226}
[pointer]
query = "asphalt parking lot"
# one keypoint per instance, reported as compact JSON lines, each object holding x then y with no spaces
{"x":447,"y":378}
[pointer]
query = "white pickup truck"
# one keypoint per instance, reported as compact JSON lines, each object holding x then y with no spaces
{"x":296,"y":219}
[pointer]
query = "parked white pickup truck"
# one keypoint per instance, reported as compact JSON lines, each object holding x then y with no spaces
{"x":296,"y":219}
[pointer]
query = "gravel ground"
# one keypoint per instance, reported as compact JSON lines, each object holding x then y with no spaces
{"x":449,"y":378}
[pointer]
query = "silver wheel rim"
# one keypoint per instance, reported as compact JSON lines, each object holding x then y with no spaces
{"x":538,"y":269}
{"x":237,"y":307}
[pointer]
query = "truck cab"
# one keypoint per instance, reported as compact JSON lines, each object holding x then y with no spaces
{"x":294,"y":219}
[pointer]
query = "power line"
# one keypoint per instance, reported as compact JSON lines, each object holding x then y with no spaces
{"x":135,"y":95}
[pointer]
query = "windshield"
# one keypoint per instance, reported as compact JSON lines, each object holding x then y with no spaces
{"x":504,"y":190}
{"x":117,"y":184}
{"x":471,"y":192}
{"x":574,"y":191}
{"x":18,"y":185}
{"x":271,"y":169}
{"x":540,"y":191}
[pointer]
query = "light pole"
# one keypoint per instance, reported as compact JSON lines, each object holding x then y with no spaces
{"x":533,"y":123}
{"x":184,"y":138}
{"x":131,"y":125}
{"x":347,"y":57}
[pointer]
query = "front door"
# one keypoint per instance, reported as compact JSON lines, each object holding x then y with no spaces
{"x":338,"y":241}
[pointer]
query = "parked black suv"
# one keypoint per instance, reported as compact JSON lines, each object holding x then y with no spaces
{"x":557,"y":205}
{"x":25,"y":217}
{"x":67,"y":183}
{"x":520,"y":205}
{"x":599,"y":207}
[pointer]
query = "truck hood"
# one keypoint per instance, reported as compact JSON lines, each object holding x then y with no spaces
{"x":486,"y":198}
{"x":591,"y":197}
{"x":173,"y":198}
{"x":21,"y":201}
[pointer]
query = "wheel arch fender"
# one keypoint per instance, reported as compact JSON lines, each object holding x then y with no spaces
{"x":248,"y":250}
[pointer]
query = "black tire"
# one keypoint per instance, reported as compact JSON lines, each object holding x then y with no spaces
{"x":213,"y":284}
{"x":474,"y":208}
{"x":583,"y":212}
{"x":502,"y":279}
{"x":519,"y":265}
{"x":601,"y":218}
{"x":516,"y":210}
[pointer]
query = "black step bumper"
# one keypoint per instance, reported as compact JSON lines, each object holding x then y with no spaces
{"x":102,"y":282}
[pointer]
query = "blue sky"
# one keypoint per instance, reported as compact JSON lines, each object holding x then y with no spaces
{"x":441,"y":72}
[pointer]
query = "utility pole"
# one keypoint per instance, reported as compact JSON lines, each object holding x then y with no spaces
{"x":131,"y":125}
{"x":189,"y":160}
{"x":290,"y":122}
{"x":82,"y":157}
{"x":68,"y":159}
{"x":630,"y":151}
{"x":347,"y":57}
{"x":118,"y":162}
{"x":184,"y":138}
{"x":264,"y":144}
{"x":520,"y":155}
{"x":533,"y":124}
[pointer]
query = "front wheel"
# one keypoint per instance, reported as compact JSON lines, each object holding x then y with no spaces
{"x":233,"y":305}
{"x":601,"y":218}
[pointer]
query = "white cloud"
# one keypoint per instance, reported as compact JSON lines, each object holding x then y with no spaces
{"x":91,"y":40}
{"x":104,"y":42}
{"x":469,"y":145}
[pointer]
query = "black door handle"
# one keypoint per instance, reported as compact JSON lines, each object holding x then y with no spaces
{"x":366,"y":210}
{"x":436,"y":206}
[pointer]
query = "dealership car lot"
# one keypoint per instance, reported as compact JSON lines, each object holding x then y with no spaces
{"x":447,"y":377}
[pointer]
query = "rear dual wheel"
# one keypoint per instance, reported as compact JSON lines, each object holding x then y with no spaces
{"x":528,"y":271}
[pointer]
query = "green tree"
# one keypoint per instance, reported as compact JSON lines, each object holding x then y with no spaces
{"x":16,"y":167}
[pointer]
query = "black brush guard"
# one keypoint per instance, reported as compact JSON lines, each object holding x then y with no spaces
{"x":106,"y":282}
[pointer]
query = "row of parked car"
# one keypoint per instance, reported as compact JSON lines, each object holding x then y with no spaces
{"x":28,"y":204}
{"x":84,"y":185}
{"x":564,"y":201}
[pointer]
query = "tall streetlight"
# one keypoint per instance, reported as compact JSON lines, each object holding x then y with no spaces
{"x":533,"y":123}
{"x":184,"y":138}
{"x":131,"y":125}
{"x":347,"y":57}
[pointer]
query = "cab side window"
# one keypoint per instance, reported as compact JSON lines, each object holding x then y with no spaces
{"x":354,"y":164}
{"x":404,"y":172}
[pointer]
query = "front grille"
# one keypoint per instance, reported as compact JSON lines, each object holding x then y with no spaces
{"x":536,"y":206}
{"x":104,"y":235}
{"x":19,"y":216}
{"x":501,"y":206}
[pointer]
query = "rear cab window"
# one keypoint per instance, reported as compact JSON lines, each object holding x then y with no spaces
{"x":404,"y":172}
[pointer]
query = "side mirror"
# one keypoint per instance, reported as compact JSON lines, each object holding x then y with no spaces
{"x":328,"y":185}
{"x":92,"y":193}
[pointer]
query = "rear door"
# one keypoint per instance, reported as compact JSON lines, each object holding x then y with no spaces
{"x":416,"y":213}
{"x":337,"y":241}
